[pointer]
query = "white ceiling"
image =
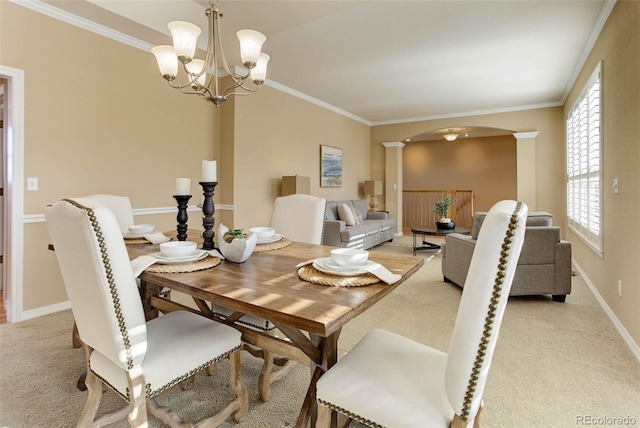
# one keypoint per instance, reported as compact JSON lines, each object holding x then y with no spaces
{"x":395,"y":61}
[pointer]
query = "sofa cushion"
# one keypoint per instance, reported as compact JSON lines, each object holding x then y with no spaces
{"x":357,"y":216}
{"x":360,"y":231}
{"x":362,"y":205}
{"x":345,"y":214}
{"x":332,"y":211}
{"x":534,"y":218}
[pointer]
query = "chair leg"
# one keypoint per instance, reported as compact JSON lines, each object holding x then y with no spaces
{"x":75,"y":337}
{"x":324,"y":417}
{"x":267,"y":377}
{"x":238,"y":388}
{"x":137,"y":398}
{"x":94,"y":395}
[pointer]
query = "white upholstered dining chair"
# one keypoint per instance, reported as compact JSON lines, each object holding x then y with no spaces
{"x":120,"y":206}
{"x":387,"y":380}
{"x":299,"y":218}
{"x":134,"y":358}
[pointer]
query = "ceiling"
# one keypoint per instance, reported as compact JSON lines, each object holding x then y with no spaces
{"x":393,"y":61}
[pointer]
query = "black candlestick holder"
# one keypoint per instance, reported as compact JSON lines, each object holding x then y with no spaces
{"x":207,"y":210}
{"x":183,"y":201}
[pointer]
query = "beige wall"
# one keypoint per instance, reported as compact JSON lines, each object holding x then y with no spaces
{"x":98,"y":119}
{"x":485,"y":165}
{"x":618,"y":47}
{"x":277,"y":134}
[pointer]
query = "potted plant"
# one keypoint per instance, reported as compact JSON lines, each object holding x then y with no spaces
{"x":441,"y":208}
{"x":235,"y":245}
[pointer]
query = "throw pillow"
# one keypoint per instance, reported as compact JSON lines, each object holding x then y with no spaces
{"x":356,"y":215}
{"x":345,"y":214}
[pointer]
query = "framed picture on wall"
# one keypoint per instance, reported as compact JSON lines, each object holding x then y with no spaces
{"x":330,"y":166}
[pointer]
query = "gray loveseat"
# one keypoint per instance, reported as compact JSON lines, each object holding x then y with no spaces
{"x":375,"y":228}
{"x":544,"y":266}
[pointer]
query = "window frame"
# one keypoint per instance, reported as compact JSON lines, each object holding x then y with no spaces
{"x":583,"y":141}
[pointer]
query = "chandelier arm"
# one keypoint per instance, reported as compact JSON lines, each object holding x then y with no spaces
{"x":249,"y":91}
{"x":240,"y":84}
{"x":218,"y":41}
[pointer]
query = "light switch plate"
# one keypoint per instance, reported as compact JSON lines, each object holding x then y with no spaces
{"x":615,"y":185}
{"x":32,"y":184}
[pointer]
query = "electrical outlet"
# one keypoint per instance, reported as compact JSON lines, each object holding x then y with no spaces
{"x":620,"y":288}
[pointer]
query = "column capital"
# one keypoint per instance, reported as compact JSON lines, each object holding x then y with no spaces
{"x":521,"y":135}
{"x":393,"y":144}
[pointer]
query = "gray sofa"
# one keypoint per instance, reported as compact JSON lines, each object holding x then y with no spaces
{"x":375,"y":228}
{"x":544,"y":266}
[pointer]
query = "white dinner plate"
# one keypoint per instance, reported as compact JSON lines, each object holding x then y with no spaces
{"x":127,"y":235}
{"x":327,"y":265}
{"x":164,"y":260}
{"x":274,"y":238}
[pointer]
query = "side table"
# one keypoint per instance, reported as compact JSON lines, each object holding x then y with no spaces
{"x":432,"y":231}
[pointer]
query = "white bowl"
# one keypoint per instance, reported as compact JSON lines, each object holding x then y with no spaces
{"x":263,"y":232}
{"x":178,"y":248}
{"x":349,"y":257}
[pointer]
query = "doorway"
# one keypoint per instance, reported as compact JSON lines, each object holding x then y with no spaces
{"x":11,"y":239}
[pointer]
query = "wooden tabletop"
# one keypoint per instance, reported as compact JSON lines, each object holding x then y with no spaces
{"x":267,"y":285}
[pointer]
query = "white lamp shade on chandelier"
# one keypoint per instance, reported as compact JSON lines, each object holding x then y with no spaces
{"x":202,"y":77}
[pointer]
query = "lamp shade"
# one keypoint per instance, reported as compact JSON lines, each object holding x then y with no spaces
{"x":250,"y":45}
{"x":259,"y":72}
{"x":167,"y":60}
{"x":296,"y":184}
{"x":373,"y":187}
{"x":195,"y":67}
{"x":185,"y":36}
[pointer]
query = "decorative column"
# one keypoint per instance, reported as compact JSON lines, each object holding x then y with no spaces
{"x":526,"y":167}
{"x":393,"y":182}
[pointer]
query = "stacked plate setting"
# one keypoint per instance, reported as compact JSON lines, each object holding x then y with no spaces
{"x":344,"y":262}
{"x":266,"y":235}
{"x":176,"y":252}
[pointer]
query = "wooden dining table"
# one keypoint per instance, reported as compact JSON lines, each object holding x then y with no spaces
{"x":267,"y":285}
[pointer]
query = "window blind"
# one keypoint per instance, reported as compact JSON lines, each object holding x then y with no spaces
{"x":584,"y":202}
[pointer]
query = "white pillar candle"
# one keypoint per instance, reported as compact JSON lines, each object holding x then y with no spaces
{"x":183,"y":186}
{"x":209,"y":171}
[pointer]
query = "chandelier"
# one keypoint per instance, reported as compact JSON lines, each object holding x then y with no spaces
{"x":450,"y":136}
{"x":202,"y":78}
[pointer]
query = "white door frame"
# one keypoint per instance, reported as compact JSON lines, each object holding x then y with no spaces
{"x":13,"y":192}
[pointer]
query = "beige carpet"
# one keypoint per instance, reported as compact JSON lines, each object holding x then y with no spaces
{"x":555,"y":364}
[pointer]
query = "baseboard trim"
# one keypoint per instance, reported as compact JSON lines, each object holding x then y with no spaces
{"x":633,"y":346}
{"x":45,"y":310}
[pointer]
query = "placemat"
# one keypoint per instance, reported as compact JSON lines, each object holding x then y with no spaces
{"x":203,"y":264}
{"x":136,"y":241}
{"x":284,"y":242}
{"x":311,"y":274}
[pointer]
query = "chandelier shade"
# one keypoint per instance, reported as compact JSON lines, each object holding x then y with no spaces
{"x":450,"y":136}
{"x":202,"y":75}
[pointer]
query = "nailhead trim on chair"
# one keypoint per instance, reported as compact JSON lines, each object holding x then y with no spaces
{"x":488,"y":325}
{"x":109,"y":273}
{"x":150,"y":394}
{"x":351,"y":415}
